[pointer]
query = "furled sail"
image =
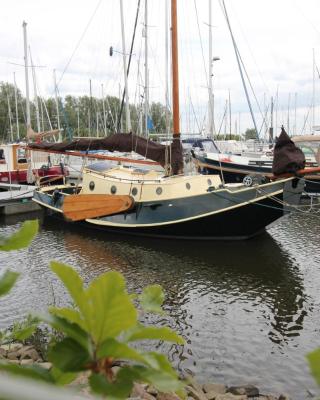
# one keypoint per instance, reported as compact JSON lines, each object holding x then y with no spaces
{"x":124,"y":142}
{"x":287,"y":158}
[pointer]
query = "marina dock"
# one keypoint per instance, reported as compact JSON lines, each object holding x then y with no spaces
{"x":16,"y":199}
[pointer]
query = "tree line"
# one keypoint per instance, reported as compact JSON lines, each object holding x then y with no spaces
{"x":82,"y":116}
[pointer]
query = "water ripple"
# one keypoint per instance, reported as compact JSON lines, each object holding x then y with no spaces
{"x":249,"y":311}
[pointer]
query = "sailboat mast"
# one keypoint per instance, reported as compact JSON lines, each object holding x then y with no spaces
{"x":146,"y":69}
{"x":10,"y":116}
{"x":24,"y":25}
{"x":35,"y":92}
{"x":175,"y":70}
{"x":125,"y":72}
{"x":211,"y":118}
{"x":167,"y":67}
{"x":57,"y":103}
{"x":313,"y":92}
{"x":16,"y":104}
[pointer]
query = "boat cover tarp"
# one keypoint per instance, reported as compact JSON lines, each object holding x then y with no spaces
{"x":287,"y":157}
{"x":124,"y":142}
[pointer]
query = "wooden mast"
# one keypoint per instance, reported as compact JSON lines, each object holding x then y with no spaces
{"x":175,"y":70}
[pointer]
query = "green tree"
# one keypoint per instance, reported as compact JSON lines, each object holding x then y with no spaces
{"x":7,"y":91}
{"x":79,"y":116}
{"x":228,"y":137}
{"x":250,"y":134}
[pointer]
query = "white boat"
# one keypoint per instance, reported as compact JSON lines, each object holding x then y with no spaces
{"x":235,"y":168}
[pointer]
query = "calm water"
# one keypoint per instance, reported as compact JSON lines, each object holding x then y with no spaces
{"x":249,"y":311}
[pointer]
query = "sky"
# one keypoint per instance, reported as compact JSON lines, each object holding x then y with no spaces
{"x":276,"y":40}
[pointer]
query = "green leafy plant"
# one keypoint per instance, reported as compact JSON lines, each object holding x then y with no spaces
{"x":20,"y":239}
{"x":7,"y":281}
{"x":314,"y":363}
{"x":99,"y":333}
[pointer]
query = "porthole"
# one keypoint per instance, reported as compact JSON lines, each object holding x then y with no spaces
{"x":134,"y":191}
{"x":188,"y":186}
{"x":91,"y":185}
{"x":159,"y":190}
{"x":113,"y":189}
{"x":209,"y":182}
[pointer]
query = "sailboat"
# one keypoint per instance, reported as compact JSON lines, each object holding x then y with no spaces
{"x":171,"y":204}
{"x":235,"y":168}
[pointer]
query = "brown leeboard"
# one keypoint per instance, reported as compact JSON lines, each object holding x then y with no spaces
{"x":78,"y":207}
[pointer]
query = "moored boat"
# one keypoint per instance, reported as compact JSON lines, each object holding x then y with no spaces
{"x":169,"y":204}
{"x":190,"y":207}
{"x":19,"y":165}
{"x":240,"y":168}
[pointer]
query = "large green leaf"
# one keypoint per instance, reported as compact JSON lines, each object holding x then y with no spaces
{"x":159,"y":362}
{"x":70,"y":315}
{"x":28,"y":371}
{"x":141,"y":332}
{"x":112,"y":310}
{"x":73,"y":284}
{"x":118,"y":350}
{"x":22,"y":238}
{"x":69,"y":356}
{"x":72,"y":330}
{"x":120,"y":389}
{"x":314,"y":362}
{"x":7,"y":281}
{"x":62,"y":378}
{"x":162,"y":381}
{"x":151,"y":299}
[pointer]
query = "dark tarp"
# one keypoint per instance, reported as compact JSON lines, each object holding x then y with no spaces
{"x":287,"y":156}
{"x":124,"y":142}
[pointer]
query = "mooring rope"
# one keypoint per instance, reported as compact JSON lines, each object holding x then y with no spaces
{"x":296,"y":209}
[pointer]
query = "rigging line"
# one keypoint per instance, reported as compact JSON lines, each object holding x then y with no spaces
{"x":306,"y":119}
{"x":79,"y":42}
{"x":202,"y":52}
{"x":307,"y":18}
{"x":256,"y":203}
{"x":129,"y":63}
{"x":312,"y":181}
{"x":245,"y":38}
{"x":264,"y":121}
{"x":224,"y":10}
{"x":65,"y":116}
{"x":194,"y":114}
{"x":222,"y":120}
{"x":248,"y":202}
{"x":247,"y":75}
{"x":44,"y":104}
{"x":250,"y":84}
{"x":297,"y":208}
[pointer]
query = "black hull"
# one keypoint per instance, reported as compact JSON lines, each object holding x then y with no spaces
{"x":241,"y":222}
{"x":236,"y":224}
